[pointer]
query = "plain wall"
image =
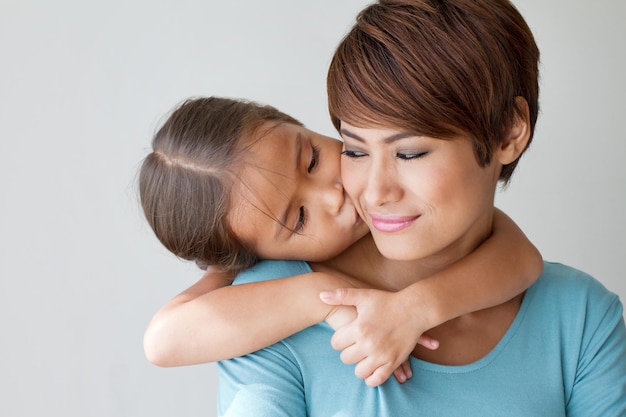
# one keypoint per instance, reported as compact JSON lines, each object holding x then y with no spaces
{"x":83,"y":86}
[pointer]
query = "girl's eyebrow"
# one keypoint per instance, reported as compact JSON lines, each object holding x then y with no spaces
{"x":284,"y":217}
{"x":387,"y":140}
{"x":298,"y":155}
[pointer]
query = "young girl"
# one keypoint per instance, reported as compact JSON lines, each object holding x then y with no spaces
{"x":210,"y":197}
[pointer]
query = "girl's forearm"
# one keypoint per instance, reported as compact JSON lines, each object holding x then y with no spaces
{"x":208,"y":323}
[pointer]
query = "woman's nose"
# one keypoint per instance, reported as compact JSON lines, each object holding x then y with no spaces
{"x":381,"y":185}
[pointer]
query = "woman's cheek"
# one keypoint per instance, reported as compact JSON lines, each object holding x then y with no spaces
{"x":350,"y":177}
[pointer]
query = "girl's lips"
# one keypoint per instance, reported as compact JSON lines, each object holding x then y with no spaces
{"x":390,"y":224}
{"x":357,"y":218}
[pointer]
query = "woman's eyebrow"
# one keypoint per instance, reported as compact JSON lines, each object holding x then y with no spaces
{"x":387,"y":140}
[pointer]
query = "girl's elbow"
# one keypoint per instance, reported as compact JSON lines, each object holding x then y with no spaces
{"x":156,"y":347}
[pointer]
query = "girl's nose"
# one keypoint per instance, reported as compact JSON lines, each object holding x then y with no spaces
{"x":331,"y":197}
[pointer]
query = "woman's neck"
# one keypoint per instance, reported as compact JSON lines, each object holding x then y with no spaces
{"x":364,"y":266}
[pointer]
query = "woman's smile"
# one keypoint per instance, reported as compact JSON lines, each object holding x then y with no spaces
{"x":391,"y":224}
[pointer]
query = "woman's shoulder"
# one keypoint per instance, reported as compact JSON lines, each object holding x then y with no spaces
{"x":566,"y":280}
{"x":272,"y":269}
{"x":573,"y":292}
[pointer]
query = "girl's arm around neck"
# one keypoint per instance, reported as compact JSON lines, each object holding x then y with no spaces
{"x":213,"y":320}
{"x":389,"y":325}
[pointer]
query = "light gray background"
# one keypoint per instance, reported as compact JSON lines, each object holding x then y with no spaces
{"x":83,"y":85}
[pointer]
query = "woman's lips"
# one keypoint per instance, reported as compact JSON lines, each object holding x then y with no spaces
{"x":390,"y":224}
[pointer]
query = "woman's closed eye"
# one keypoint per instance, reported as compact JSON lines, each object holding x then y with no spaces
{"x":353,"y":154}
{"x":399,"y":155}
{"x":410,"y":155}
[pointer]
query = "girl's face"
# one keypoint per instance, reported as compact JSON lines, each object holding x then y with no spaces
{"x":422,"y":198}
{"x":290,"y":202}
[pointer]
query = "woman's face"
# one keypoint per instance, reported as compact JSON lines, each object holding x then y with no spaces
{"x":290,"y":202}
{"x":422,"y":198}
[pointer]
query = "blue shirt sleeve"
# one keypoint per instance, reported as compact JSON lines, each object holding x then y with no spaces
{"x":267,"y":383}
{"x":600,"y":382}
{"x":268,"y":270}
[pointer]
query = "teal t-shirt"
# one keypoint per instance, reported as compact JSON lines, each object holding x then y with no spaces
{"x":564,"y":355}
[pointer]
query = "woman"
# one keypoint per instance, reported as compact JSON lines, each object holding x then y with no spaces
{"x":436,"y":102}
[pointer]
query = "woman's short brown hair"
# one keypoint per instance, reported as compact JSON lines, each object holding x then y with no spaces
{"x":186,"y":181}
{"x":439,"y":68}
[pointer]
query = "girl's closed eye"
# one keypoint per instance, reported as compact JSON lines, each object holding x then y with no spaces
{"x":315,"y":154}
{"x":302,"y":218}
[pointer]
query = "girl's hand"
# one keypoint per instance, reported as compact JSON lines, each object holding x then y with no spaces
{"x":382,"y":336}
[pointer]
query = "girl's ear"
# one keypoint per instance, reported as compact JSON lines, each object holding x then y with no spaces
{"x":516,"y":138}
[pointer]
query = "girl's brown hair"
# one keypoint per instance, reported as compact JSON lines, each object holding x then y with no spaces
{"x":185,"y":182}
{"x":439,"y":68}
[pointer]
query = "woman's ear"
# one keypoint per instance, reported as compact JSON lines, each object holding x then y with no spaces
{"x":517,"y":136}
